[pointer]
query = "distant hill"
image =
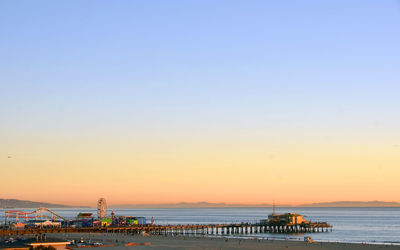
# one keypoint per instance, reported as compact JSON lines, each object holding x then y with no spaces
{"x":171,"y":205}
{"x":14,"y":203}
{"x":190,"y":205}
{"x":353,"y":204}
{"x":211,"y":205}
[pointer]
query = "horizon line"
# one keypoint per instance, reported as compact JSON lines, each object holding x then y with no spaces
{"x":206,"y":203}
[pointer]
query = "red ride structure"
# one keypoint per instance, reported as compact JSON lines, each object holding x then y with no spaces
{"x":40,"y":213}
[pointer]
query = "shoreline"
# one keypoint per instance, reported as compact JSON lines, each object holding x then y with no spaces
{"x":207,"y":242}
{"x":316,"y":241}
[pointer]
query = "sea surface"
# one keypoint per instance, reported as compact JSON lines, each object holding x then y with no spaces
{"x":370,"y":225}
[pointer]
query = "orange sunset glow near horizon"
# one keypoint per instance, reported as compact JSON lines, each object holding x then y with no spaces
{"x":239,"y":173}
{"x":208,"y":101}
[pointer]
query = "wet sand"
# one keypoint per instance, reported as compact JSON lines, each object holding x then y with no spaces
{"x":180,"y":242}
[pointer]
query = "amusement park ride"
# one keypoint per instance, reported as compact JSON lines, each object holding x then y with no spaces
{"x":101,"y":208}
{"x":40,"y":213}
{"x":46,"y":214}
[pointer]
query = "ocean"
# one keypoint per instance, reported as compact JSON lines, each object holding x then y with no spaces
{"x":370,"y":225}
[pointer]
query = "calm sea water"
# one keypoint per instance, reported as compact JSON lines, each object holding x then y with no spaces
{"x":372,"y":225}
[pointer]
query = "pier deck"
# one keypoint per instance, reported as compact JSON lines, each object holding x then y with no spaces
{"x":209,"y":229}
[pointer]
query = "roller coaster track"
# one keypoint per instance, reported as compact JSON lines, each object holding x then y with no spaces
{"x":38,"y":213}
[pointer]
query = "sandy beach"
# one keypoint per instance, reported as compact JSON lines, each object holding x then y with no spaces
{"x":180,"y":242}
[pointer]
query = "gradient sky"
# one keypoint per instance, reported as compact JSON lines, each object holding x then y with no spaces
{"x":218,"y":101}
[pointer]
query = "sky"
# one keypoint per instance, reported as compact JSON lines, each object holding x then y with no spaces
{"x":187,"y":101}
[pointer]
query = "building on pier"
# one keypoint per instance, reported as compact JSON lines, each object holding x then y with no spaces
{"x":130,"y":220}
{"x":84,"y":216}
{"x":287,"y":219}
{"x":292,"y":223}
{"x":43,"y":223}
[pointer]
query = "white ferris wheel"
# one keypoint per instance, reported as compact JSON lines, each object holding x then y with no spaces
{"x":101,"y":208}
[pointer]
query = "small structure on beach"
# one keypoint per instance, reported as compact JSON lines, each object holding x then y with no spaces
{"x":31,"y":243}
{"x":308,"y":239}
{"x":57,"y":244}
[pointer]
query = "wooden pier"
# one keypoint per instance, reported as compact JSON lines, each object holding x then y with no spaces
{"x":209,"y":229}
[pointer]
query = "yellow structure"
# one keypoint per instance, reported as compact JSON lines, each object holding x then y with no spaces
{"x":18,"y":225}
{"x":286,"y":219}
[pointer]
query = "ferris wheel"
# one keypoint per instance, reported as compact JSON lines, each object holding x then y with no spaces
{"x":101,"y":208}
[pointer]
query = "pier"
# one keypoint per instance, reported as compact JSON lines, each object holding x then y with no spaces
{"x":209,"y":229}
{"x":288,"y":223}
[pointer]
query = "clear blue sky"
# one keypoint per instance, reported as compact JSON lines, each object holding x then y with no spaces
{"x":211,"y":65}
{"x":243,"y":81}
